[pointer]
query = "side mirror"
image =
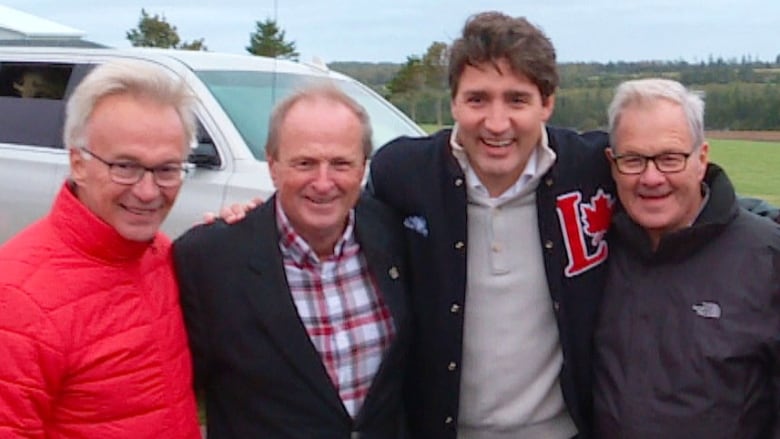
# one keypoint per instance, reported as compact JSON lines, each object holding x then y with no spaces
{"x":205,"y":154}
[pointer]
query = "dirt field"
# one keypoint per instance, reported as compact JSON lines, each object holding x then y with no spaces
{"x":761,"y":136}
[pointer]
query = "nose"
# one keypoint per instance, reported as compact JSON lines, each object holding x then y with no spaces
{"x":323,"y":181}
{"x":651,"y":176}
{"x":497,"y":119}
{"x":146,"y":189}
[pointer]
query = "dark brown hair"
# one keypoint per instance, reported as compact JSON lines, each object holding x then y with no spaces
{"x":490,"y":36}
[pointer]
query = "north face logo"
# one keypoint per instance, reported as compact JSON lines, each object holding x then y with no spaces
{"x":579,"y":220}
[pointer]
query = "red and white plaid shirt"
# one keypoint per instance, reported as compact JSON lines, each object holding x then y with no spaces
{"x":340,"y":306}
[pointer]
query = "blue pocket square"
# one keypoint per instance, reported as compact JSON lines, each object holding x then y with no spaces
{"x":416,"y":223}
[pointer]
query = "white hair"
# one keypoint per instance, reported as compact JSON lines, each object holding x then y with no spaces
{"x":640,"y":91}
{"x":131,"y":77}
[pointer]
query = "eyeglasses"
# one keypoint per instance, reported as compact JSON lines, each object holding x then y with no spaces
{"x":666,"y":162}
{"x":129,"y":173}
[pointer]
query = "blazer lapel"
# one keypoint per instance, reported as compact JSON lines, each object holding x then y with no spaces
{"x":269,"y":294}
{"x":385,"y":267}
{"x":386,"y":263}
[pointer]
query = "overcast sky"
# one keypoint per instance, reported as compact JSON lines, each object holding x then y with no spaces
{"x":390,"y":30}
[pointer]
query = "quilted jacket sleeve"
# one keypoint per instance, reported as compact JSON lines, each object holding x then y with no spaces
{"x":29,"y":365}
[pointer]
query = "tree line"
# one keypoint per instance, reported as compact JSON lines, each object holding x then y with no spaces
{"x":741,"y":94}
{"x":268,"y":39}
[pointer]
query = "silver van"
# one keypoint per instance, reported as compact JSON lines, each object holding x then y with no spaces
{"x":235,"y":95}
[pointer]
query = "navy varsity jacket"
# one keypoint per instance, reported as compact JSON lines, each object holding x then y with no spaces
{"x":422,"y":180}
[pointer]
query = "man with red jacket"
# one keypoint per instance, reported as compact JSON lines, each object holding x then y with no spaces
{"x":92,"y":342}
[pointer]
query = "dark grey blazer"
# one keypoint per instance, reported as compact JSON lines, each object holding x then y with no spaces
{"x":261,"y":375}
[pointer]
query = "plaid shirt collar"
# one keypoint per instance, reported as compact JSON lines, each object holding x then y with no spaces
{"x":297,"y":249}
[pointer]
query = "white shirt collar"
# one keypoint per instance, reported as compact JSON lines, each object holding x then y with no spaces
{"x":540,"y":160}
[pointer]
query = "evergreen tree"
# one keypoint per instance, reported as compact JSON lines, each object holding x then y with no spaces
{"x":435,"y":69}
{"x":407,"y":86}
{"x":155,"y":31}
{"x":268,"y":40}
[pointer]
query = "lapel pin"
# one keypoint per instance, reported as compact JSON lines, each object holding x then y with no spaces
{"x":393,"y":272}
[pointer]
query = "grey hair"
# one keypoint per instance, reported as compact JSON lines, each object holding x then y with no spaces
{"x":641,"y":91}
{"x":327,"y":92}
{"x":132,"y":77}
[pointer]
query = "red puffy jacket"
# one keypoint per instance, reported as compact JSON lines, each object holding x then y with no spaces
{"x":92,"y":343}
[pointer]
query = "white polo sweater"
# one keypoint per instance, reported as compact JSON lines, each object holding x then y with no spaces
{"x":512,"y":357}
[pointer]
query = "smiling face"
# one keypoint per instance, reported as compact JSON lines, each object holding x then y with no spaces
{"x":318,"y":169}
{"x":659,"y":202}
{"x":125,"y":128}
{"x":500,"y":116}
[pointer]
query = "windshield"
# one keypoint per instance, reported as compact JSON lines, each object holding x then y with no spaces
{"x":249,"y":96}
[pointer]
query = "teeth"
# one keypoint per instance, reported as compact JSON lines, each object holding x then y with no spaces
{"x":140,"y":211}
{"x":501,"y":143}
{"x":653,"y":195}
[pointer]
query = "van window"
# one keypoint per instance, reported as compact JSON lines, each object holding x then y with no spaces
{"x":249,"y":96}
{"x":32,"y":103}
{"x":34,"y":80}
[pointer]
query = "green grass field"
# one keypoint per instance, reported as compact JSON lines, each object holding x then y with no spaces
{"x":754,"y":167}
{"x":430,"y":128}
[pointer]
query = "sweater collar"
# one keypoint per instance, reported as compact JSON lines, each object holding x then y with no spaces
{"x":83,"y":231}
{"x":717,"y":212}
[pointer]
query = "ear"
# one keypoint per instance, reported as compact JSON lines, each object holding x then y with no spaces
{"x":78,"y":166}
{"x":702,"y":157}
{"x":273,"y":167}
{"x":610,"y":155}
{"x":548,"y":105}
{"x":454,"y":108}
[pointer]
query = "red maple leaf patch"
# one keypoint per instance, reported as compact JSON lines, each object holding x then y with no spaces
{"x":597,"y":215}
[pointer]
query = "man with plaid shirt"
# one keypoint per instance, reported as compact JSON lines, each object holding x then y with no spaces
{"x":297,"y":315}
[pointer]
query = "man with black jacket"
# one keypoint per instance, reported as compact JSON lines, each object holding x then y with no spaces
{"x":687,"y":340}
{"x":297,"y":316}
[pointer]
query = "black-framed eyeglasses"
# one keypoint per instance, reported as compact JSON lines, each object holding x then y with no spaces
{"x":129,"y":173}
{"x":666,"y":162}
